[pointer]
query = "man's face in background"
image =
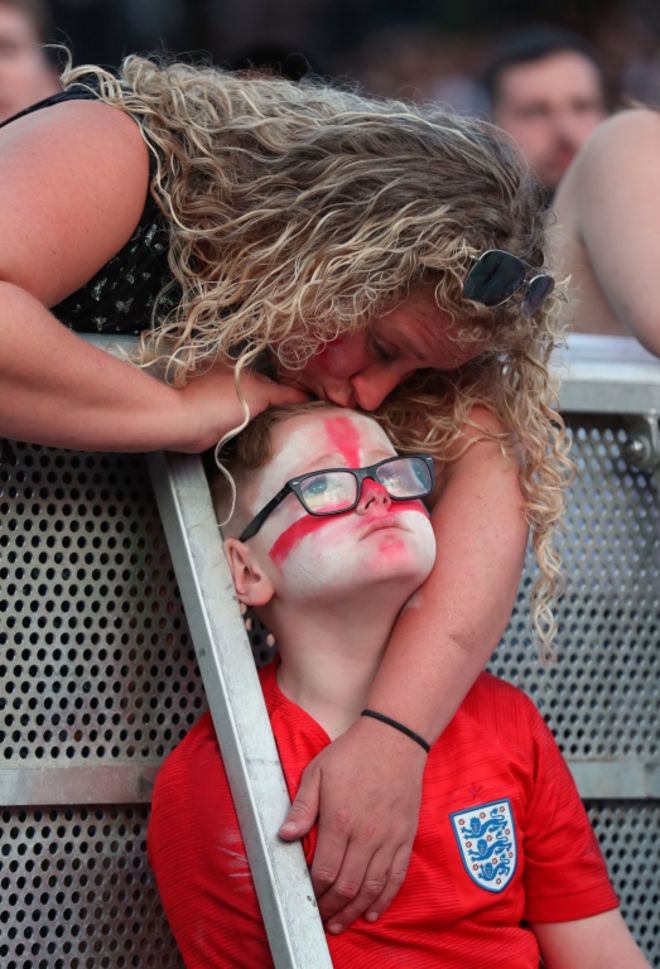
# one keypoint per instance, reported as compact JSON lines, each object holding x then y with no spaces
{"x":25,"y":75}
{"x":550,"y":106}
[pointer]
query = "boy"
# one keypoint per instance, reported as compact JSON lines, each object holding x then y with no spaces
{"x":504,"y":865}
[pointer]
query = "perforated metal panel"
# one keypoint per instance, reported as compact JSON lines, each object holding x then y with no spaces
{"x":96,"y":664}
{"x":76,"y":891}
{"x":98,"y":681}
{"x":600,"y":696}
{"x":629,"y":835}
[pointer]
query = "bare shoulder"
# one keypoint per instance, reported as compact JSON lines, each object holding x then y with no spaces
{"x":82,"y":131}
{"x":73,"y":182}
{"x":480,"y":420}
{"x":625,"y":138}
{"x":482,"y":427}
{"x":484,"y":452}
{"x":615,"y":170}
{"x":629,"y":123}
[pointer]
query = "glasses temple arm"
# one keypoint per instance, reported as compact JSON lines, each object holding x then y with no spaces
{"x":253,"y":527}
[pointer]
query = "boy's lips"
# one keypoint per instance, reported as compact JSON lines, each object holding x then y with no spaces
{"x":308,"y":524}
{"x":378,"y":524}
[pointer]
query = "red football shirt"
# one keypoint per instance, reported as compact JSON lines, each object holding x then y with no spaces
{"x":503,"y":838}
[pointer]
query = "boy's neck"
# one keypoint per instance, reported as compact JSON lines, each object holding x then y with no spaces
{"x":330,"y":656}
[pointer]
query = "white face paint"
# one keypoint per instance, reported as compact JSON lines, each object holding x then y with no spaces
{"x":379,"y":542}
{"x":414,"y":602}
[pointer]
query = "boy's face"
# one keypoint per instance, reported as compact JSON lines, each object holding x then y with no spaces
{"x":325,"y":558}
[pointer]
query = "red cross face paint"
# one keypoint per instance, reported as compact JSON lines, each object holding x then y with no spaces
{"x":379,"y":540}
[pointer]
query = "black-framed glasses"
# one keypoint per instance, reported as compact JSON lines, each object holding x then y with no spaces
{"x":335,"y":490}
{"x":497,"y":275}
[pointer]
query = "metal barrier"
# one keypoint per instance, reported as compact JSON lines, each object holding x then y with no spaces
{"x":99,"y":679}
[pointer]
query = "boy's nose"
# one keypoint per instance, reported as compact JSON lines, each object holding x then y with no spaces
{"x":373,"y":497}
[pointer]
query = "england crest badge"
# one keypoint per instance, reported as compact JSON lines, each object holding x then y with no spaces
{"x":486,"y":838}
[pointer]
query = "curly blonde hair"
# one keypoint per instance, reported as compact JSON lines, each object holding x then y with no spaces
{"x":299,"y":211}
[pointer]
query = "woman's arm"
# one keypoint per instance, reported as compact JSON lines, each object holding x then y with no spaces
{"x":73,"y":182}
{"x":368,"y":782}
{"x":600,"y":942}
{"x":56,"y":389}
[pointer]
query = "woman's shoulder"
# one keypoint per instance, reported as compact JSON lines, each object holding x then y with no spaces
{"x":66,"y":138}
{"x":481,"y":425}
{"x":78,"y":121}
{"x":73,"y":183}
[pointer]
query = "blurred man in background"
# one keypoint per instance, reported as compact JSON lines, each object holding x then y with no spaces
{"x":26,"y":75}
{"x":548,"y":91}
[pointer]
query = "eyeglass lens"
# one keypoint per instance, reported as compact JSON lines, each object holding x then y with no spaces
{"x":329,"y":492}
{"x":495,"y":276}
{"x":405,"y":477}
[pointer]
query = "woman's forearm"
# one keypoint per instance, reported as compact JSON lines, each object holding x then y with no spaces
{"x":449,"y":629}
{"x":56,"y":389}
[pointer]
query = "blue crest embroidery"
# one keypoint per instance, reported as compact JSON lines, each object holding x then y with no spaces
{"x":486,"y":838}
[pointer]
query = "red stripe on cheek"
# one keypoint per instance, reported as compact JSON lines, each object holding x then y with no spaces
{"x":290,"y":537}
{"x":344,"y":436}
{"x":295,"y":533}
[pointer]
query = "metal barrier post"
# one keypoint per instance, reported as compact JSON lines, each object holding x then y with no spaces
{"x":282,"y":882}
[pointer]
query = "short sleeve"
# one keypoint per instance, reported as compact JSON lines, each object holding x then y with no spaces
{"x":565,"y":873}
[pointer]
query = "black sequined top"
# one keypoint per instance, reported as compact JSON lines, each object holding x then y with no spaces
{"x":121,"y":296}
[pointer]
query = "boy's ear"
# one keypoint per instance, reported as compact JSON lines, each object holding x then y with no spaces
{"x":253,"y":587}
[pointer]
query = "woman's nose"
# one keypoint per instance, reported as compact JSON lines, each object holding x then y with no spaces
{"x":340,"y":392}
{"x":371,"y":386}
{"x":373,"y":497}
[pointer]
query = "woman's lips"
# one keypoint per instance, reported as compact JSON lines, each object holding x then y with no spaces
{"x":339,"y":396}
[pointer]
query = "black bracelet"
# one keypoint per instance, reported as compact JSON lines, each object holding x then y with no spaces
{"x":397,"y":726}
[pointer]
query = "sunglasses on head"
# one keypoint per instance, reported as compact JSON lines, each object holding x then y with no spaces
{"x":497,"y":275}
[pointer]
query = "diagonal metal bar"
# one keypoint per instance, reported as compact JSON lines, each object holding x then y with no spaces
{"x":288,"y":907}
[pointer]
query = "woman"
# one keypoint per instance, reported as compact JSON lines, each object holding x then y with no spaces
{"x":344,"y":247}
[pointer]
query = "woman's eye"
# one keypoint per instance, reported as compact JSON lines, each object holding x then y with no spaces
{"x":382,"y":352}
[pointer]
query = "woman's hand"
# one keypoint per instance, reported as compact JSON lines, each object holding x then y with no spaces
{"x":211,"y":408}
{"x":58,"y":390}
{"x":365,"y":789}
